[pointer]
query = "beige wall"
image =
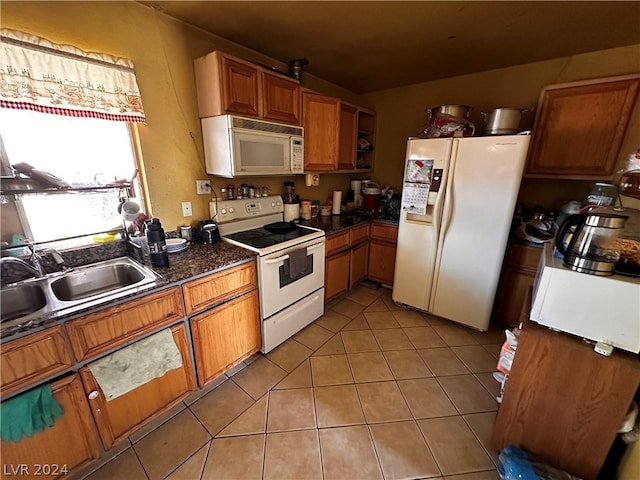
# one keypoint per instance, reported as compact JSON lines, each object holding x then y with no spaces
{"x":401,"y":111}
{"x":163,"y":50}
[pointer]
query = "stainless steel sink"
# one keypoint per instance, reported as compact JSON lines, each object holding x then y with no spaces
{"x":63,"y":293}
{"x":21,"y":300}
{"x":95,"y":281}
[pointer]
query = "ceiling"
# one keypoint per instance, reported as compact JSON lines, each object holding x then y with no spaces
{"x":366,"y":46}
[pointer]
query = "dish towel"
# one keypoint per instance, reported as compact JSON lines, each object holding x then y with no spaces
{"x":297,"y":262}
{"x":28,"y":413}
{"x":136,"y":364}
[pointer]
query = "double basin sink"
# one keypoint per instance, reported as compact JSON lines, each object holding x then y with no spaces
{"x":66,"y":292}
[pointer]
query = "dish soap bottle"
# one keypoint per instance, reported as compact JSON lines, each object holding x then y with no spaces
{"x":157,"y":244}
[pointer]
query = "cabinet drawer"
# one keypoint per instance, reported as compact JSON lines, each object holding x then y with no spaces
{"x":218,"y":287}
{"x":359,"y":233}
{"x":337,"y":242}
{"x":101,"y":331}
{"x":523,"y":257}
{"x":380,"y":231}
{"x":29,"y":359}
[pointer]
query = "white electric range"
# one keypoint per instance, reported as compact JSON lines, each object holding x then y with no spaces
{"x":290,"y":263}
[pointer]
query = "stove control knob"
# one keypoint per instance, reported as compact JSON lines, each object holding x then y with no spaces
{"x":278,"y":203}
{"x":273,"y":204}
{"x":231,"y":209}
{"x":223,"y":211}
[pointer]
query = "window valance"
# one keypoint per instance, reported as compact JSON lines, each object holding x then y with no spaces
{"x":38,"y":75}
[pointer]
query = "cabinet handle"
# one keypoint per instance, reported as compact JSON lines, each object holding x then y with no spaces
{"x":93,"y":395}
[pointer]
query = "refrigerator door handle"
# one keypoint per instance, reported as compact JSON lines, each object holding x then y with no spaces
{"x":447,"y":214}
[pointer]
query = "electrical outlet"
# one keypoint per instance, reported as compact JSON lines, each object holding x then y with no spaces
{"x":203,"y":187}
{"x":186,"y":209}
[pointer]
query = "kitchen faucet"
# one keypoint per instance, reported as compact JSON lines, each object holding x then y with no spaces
{"x":35,"y":264}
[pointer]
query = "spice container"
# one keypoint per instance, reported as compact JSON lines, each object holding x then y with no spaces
{"x":315,"y":208}
{"x":231,"y":192}
{"x":244,"y":191}
{"x":305,"y":209}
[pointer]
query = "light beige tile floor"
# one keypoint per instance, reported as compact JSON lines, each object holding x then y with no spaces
{"x":370,"y":390}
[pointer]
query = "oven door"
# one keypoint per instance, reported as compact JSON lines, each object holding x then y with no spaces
{"x":278,"y":288}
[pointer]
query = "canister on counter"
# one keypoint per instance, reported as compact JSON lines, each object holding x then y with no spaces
{"x":231,"y":192}
{"x":185,"y":232}
{"x":315,"y":208}
{"x":244,"y":191}
{"x":305,"y":209}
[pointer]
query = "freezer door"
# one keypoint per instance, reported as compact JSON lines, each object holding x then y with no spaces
{"x":482,"y":189}
{"x":418,"y":234}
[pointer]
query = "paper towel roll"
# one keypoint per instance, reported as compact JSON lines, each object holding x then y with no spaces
{"x":337,"y":200}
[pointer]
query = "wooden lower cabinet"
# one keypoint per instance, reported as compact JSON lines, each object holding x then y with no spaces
{"x":382,"y":252}
{"x":336,"y":275}
{"x":120,"y":416}
{"x":518,"y":275}
{"x":70,"y":443}
{"x":358,"y":263}
{"x":27,"y":360}
{"x":226,"y":335}
{"x":563,"y":402}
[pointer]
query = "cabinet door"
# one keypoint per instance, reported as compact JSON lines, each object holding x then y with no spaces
{"x":119,"y":416}
{"x":219,"y":287}
{"x":336,"y":275}
{"x":70,"y":443}
{"x":512,"y":291}
{"x":280,"y":99}
{"x":239,"y":87}
{"x":320,"y":119}
{"x":348,"y":137}
{"x":337,"y":242}
{"x":563,"y":402}
{"x":26,"y":360}
{"x":101,"y":331}
{"x":580,"y":127}
{"x":358,"y":234}
{"x":358,"y":263}
{"x":382,"y":261}
{"x":226,"y":335}
{"x":381,"y":231}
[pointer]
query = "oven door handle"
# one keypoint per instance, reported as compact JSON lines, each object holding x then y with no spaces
{"x":286,"y":257}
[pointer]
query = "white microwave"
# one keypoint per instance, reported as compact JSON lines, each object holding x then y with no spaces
{"x":237,"y":146}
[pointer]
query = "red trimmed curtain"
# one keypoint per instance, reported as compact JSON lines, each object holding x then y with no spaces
{"x":38,"y":75}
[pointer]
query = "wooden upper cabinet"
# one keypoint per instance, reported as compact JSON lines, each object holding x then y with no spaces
{"x":280,"y":99}
{"x":580,"y":126}
{"x":239,"y":87}
{"x":230,"y":85}
{"x":348,"y":131}
{"x":321,"y":121}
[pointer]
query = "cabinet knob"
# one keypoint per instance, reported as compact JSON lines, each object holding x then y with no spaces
{"x":93,"y":395}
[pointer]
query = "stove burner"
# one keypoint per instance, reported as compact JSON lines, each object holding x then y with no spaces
{"x":263,"y":242}
{"x":248,"y":235}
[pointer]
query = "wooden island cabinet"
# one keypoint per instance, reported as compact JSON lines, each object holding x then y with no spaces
{"x":563,"y":402}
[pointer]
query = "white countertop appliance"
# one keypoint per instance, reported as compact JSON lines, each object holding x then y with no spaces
{"x":602,"y":309}
{"x":290,"y":263}
{"x":458,"y":199}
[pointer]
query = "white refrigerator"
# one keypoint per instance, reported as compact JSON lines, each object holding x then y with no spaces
{"x":457,"y":205}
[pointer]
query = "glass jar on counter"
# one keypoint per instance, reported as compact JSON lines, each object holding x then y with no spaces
{"x":315,"y":208}
{"x":244,"y":191}
{"x":305,"y":209}
{"x":231,"y":192}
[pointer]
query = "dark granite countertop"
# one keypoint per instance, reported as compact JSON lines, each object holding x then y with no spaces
{"x":200,"y":259}
{"x":337,"y":223}
{"x":197,"y":260}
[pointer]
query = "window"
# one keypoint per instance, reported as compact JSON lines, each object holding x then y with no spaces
{"x":84,"y":152}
